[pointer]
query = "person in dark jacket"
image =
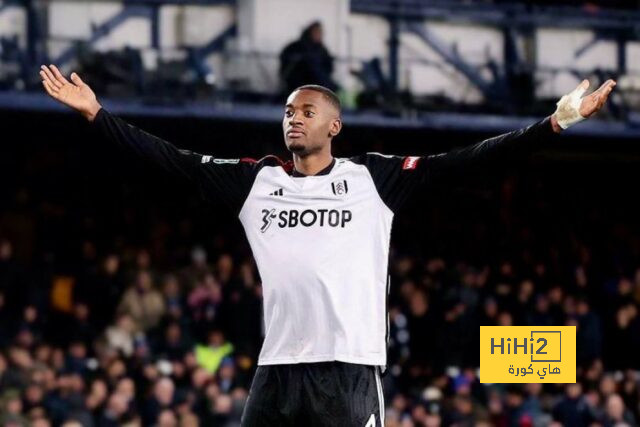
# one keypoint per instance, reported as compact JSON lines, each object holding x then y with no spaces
{"x":307,"y":61}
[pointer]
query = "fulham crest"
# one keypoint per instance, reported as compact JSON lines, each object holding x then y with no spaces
{"x":339,"y":187}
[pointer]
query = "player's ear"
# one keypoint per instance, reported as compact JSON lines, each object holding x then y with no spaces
{"x":336,"y":127}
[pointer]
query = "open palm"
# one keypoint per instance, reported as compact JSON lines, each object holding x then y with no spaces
{"x":75,"y":93}
{"x":592,"y":103}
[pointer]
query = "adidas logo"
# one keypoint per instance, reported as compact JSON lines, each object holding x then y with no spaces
{"x":278,"y":192}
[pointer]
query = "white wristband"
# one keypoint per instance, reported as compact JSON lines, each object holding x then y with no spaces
{"x":568,"y":111}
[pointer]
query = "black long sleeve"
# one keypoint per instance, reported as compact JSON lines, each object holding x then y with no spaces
{"x":226,"y":180}
{"x":397,"y":177}
{"x":464,"y":162}
{"x":148,"y":147}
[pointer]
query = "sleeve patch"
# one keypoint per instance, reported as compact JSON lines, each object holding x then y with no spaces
{"x":207,"y":159}
{"x":226,"y":161}
{"x":410,"y":162}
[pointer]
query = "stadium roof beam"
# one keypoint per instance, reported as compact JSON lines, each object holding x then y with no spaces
{"x":502,"y":14}
{"x":198,"y":56}
{"x":514,"y":20}
{"x":448,"y":53}
{"x":103,"y":30}
{"x":149,"y":9}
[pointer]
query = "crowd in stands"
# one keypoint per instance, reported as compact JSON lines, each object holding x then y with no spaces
{"x":165,"y":331}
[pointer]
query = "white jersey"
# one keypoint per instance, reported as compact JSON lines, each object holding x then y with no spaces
{"x":321,"y":243}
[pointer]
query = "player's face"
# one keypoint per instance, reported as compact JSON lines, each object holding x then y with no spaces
{"x":309,"y":123}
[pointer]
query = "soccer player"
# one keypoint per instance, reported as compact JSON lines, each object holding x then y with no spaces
{"x":319,"y":228}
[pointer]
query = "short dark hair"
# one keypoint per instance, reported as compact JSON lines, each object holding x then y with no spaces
{"x":328,"y":94}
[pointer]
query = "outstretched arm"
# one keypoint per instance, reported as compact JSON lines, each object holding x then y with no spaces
{"x":229,"y":180}
{"x":397,"y":177}
{"x":572,"y":108}
{"x":79,"y":96}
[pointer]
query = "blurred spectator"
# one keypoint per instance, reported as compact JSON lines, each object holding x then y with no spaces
{"x":307,"y":61}
{"x":142,"y":302}
{"x":121,"y":336}
{"x":617,"y":414}
{"x":161,"y":400}
{"x":572,"y":410}
{"x":102,"y":290}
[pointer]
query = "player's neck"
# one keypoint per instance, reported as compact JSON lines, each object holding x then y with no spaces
{"x":312,"y":164}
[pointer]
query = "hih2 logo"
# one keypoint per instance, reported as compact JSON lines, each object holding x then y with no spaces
{"x":339,"y":187}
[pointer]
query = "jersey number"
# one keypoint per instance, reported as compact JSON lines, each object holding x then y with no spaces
{"x":372,"y":421}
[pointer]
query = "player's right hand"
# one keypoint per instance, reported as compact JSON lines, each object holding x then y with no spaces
{"x":75,"y":93}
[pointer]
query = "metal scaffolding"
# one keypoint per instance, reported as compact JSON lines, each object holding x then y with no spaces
{"x":517,"y":20}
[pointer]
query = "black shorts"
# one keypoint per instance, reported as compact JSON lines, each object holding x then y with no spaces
{"x":315,"y":394}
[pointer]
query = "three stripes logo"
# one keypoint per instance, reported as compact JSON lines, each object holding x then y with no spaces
{"x":278,"y":192}
{"x":339,"y":187}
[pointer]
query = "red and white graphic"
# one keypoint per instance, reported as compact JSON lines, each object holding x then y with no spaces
{"x":410,"y":162}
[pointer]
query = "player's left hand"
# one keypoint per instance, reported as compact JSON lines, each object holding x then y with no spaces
{"x":592,"y":103}
{"x":573,"y":108}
